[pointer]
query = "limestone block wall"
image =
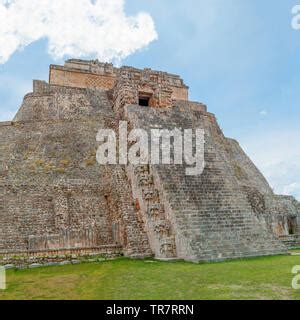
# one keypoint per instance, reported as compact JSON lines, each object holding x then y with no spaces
{"x":54,"y":102}
{"x":79,"y":79}
{"x":53,"y":192}
{"x":280,"y":214}
{"x":245,"y":170}
{"x":24,"y":210}
{"x":83,"y":74}
{"x":190,"y":105}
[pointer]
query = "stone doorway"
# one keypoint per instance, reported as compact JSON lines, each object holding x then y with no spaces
{"x":145,"y":99}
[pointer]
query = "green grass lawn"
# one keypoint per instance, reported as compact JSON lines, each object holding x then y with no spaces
{"x":258,"y":278}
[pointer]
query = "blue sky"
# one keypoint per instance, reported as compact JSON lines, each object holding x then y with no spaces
{"x":240,"y":57}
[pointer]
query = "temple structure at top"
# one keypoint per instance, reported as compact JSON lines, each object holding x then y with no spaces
{"x":153,"y":88}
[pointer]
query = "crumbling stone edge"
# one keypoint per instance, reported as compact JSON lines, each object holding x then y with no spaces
{"x":22,"y":262}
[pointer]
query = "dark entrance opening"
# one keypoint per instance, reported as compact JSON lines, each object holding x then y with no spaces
{"x":144,"y":101}
{"x":292,"y":225}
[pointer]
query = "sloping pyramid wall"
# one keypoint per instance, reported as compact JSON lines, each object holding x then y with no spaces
{"x":210,"y":214}
{"x":53,"y":193}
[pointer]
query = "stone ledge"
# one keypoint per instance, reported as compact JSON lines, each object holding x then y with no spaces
{"x":59,"y":251}
{"x":6,"y":123}
{"x":61,"y":260}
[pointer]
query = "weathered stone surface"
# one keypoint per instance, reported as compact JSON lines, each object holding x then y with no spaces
{"x":93,"y":74}
{"x":56,"y":199}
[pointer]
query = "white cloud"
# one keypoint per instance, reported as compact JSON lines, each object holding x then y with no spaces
{"x":291,"y":189}
{"x":74,"y":28}
{"x":263,"y":113}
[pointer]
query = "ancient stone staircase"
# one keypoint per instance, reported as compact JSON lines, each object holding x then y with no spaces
{"x":210,"y":214}
{"x":214,"y":219}
{"x":157,"y":224}
{"x":123,"y":210}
